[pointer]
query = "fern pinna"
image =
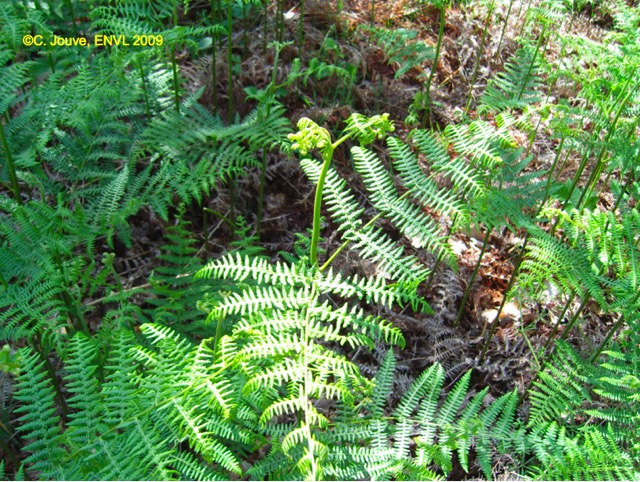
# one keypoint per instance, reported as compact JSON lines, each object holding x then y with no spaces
{"x":131,"y":407}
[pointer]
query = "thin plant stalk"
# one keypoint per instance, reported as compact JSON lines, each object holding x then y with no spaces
{"x":263,"y":165}
{"x":72,"y":13}
{"x":467,"y":291}
{"x":230,"y":62}
{"x":11,"y":167}
{"x":512,"y":280}
{"x":533,"y":61}
{"x":613,"y":330}
{"x":214,"y":54}
{"x":435,"y":64}
{"x":524,"y":23}
{"x":265,"y":26}
{"x":280,"y":20}
{"x":543,"y":351}
{"x":245,"y":27}
{"x":573,"y":320}
{"x":301,"y":30}
{"x":556,"y":327}
{"x":504,"y":28}
{"x":174,"y":63}
{"x":487,"y":23}
{"x":599,"y":167}
{"x":144,"y":88}
{"x":365,"y":65}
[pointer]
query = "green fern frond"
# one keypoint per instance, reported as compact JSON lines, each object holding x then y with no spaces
{"x":422,"y":230}
{"x":422,"y":187}
{"x":515,"y":88}
{"x":560,"y":390}
{"x":589,"y":455}
{"x":40,"y":422}
{"x":371,"y":243}
{"x":401,"y":47}
{"x":463,"y":176}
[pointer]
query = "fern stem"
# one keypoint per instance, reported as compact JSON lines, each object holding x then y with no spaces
{"x":280,"y":20}
{"x":265,"y":26}
{"x":176,"y":83}
{"x":218,"y":335}
{"x":512,"y":280}
{"x":613,"y":329}
{"x":229,"y":62}
{"x":567,"y":329}
{"x":39,"y":349}
{"x":597,"y":171}
{"x":467,"y":291}
{"x":543,"y":352}
{"x":435,"y":66}
{"x":214,"y":57}
{"x":327,"y":156}
{"x":15,"y":187}
{"x":301,"y":30}
{"x":144,"y":88}
{"x":504,"y":28}
{"x":533,"y":61}
{"x":625,"y":188}
{"x":245,"y":39}
{"x":72,"y":13}
{"x":487,"y":23}
{"x":174,"y":63}
{"x":222,"y":217}
{"x":556,"y":327}
{"x":263,"y":166}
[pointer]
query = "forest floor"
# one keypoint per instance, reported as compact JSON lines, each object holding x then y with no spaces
{"x":335,"y":38}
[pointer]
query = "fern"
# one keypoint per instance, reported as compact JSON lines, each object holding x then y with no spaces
{"x":131,"y":425}
{"x":567,"y":394}
{"x":402,"y":48}
{"x":436,"y":426}
{"x":515,"y":88}
{"x":40,"y":423}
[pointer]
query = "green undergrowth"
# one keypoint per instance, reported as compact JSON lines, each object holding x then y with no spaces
{"x":241,"y":365}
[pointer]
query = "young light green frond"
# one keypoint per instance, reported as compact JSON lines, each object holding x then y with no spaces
{"x":419,"y":228}
{"x":422,"y":187}
{"x":428,"y":384}
{"x":477,"y":141}
{"x":367,"y":129}
{"x":372,"y":243}
{"x":256,"y":299}
{"x":241,"y":268}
